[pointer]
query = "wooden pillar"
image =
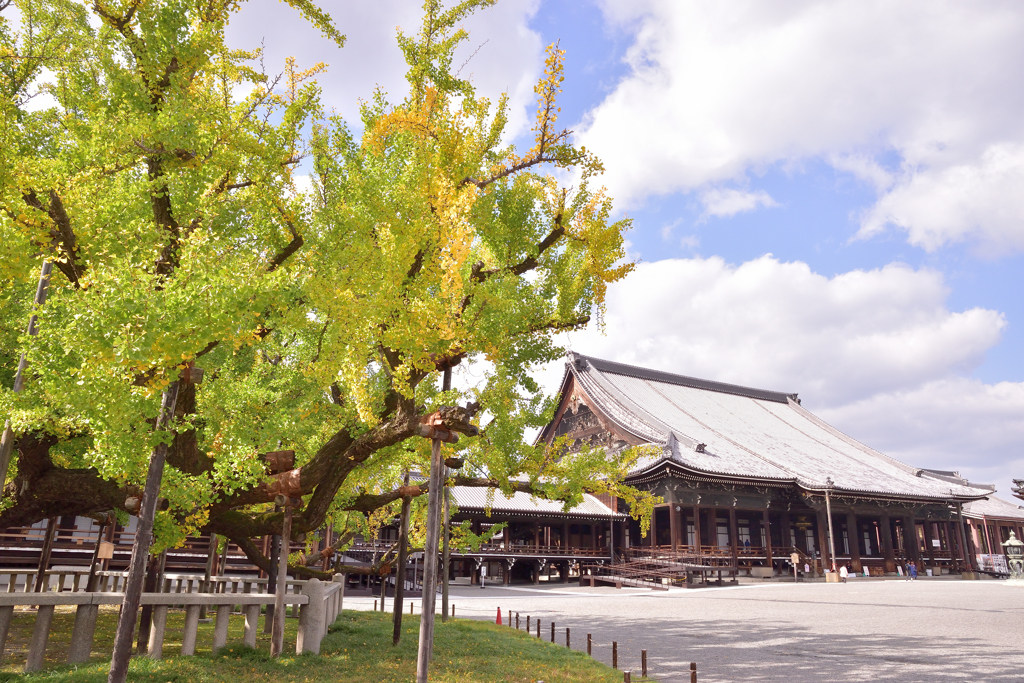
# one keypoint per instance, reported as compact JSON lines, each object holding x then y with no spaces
{"x":673,"y":525}
{"x":697,"y":541}
{"x":565,"y":535}
{"x":767,"y":539}
{"x":654,"y":529}
{"x":508,"y":537}
{"x":733,"y":533}
{"x":593,"y":535}
{"x":929,"y":547}
{"x":853,"y":534}
{"x":887,"y":549}
{"x":536,"y":534}
{"x":826,"y":560}
{"x":910,"y":536}
{"x":787,"y":536}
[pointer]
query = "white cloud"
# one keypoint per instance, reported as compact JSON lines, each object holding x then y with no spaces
{"x":980,"y":200}
{"x":781,"y":326}
{"x":723,"y":203}
{"x":952,"y":424}
{"x":720,"y":91}
{"x":876,"y":353}
{"x":503,"y":53}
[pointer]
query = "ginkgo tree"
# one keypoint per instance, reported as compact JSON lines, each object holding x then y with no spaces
{"x":320,"y":312}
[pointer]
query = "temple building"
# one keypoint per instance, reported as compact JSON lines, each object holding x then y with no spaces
{"x":751,"y":475}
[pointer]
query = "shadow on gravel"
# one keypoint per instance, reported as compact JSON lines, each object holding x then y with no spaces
{"x":727,"y":651}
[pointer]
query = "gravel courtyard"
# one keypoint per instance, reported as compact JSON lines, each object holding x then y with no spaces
{"x":866,"y":630}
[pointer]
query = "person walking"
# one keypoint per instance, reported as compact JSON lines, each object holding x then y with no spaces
{"x":843,"y":573}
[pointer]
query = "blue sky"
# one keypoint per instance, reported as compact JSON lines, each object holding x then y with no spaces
{"x":875,"y":150}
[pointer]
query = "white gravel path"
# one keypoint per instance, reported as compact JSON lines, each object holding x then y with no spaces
{"x":868,"y":630}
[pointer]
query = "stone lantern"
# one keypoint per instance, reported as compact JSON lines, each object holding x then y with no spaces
{"x":1014,"y":550}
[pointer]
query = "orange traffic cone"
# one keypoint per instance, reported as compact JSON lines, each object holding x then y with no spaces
{"x":498,"y":620}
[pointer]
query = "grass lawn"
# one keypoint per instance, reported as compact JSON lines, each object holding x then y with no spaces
{"x":357,"y":650}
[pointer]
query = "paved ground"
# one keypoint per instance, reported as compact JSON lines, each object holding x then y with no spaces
{"x":868,"y":630}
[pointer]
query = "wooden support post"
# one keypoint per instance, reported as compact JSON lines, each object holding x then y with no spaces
{"x":552,"y":631}
{"x":693,"y":672}
{"x":7,"y":439}
{"x":590,"y":644}
{"x":615,"y":654}
{"x":446,"y":555}
{"x":733,"y":534}
{"x":643,"y":663}
{"x":122,"y":650}
{"x":654,"y":528}
{"x":853,"y":535}
{"x":425,"y":648}
{"x":673,"y":525}
{"x":90,"y":584}
{"x":44,"y":557}
{"x":277,"y":636}
{"x":826,"y":557}
{"x":887,"y":550}
{"x":567,"y":641}
{"x":768,"y":540}
{"x":538,"y":629}
{"x":403,"y":559}
{"x":697,"y":540}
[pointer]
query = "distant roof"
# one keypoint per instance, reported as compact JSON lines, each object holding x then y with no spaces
{"x":468,"y":497}
{"x":729,"y":430}
{"x":993,"y":507}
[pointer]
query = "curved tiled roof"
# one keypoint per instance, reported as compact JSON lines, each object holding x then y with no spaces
{"x":728,"y":430}
{"x":994,"y":507}
{"x":468,"y":497}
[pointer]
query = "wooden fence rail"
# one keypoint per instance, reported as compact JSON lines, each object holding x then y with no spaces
{"x":319,"y":604}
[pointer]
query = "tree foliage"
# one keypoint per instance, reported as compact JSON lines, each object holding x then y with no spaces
{"x":321,"y":307}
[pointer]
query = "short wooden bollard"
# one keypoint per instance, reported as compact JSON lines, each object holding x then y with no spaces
{"x":453,"y":610}
{"x":567,"y":638}
{"x":538,"y":628}
{"x":626,"y":678}
{"x":643,"y":663}
{"x":693,"y":672}
{"x":552,"y":631}
{"x":517,"y":621}
{"x":615,"y":655}
{"x":410,"y":608}
{"x":374,"y":605}
{"x":527,"y":623}
{"x":589,"y":643}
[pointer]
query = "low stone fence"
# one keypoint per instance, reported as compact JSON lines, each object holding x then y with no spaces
{"x":319,"y":604}
{"x":60,"y":580}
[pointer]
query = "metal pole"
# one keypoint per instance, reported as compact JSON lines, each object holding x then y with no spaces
{"x":7,"y":440}
{"x":277,"y":638}
{"x":426,"y":642}
{"x":140,"y":551}
{"x":403,"y":559}
{"x":828,"y":514}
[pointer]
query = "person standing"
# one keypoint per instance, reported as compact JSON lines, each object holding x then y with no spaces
{"x":843,"y":574}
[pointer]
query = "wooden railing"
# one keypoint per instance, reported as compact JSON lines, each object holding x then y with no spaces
{"x":319,"y":605}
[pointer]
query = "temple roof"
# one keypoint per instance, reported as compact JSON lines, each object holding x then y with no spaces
{"x":738,"y":432}
{"x":474,"y":498}
{"x":994,"y":507}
